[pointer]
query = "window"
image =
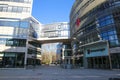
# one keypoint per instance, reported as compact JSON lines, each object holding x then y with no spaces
{"x":21,"y":1}
{"x":104,"y":34}
{"x":16,"y":42}
{"x":9,"y":42}
{"x":10,"y":9}
{"x":3,"y":8}
{"x":27,"y":1}
{"x":105,"y":38}
{"x":59,"y":26}
{"x":111,"y":37}
{"x":20,"y":9}
{"x":106,"y":20}
{"x":9,"y":23}
{"x":14,"y":9}
{"x":111,"y":33}
{"x":2,"y":41}
{"x":24,"y":24}
{"x":114,"y":43}
{"x":26,"y":9}
{"x":64,"y":33}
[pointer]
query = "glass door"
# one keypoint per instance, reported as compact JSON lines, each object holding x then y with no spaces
{"x":9,"y":60}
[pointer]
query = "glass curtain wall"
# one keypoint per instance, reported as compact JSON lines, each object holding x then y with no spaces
{"x":11,"y":60}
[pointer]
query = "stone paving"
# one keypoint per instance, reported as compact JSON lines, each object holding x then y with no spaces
{"x":57,"y":73}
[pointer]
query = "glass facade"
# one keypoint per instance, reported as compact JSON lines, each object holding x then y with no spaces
{"x":16,"y":42}
{"x":14,"y":23}
{"x":33,"y":50}
{"x":14,"y":28}
{"x":66,"y":56}
{"x":56,"y":30}
{"x":11,"y":60}
{"x":17,"y":30}
{"x":104,"y":24}
{"x":14,"y":9}
{"x":21,"y":1}
{"x":14,"y":32}
{"x":100,"y":22}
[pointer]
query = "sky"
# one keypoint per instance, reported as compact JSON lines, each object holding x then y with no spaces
{"x":50,"y":11}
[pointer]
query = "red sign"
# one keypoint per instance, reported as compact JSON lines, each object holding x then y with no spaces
{"x":78,"y":21}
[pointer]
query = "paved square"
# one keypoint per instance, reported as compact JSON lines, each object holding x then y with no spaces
{"x":57,"y":73}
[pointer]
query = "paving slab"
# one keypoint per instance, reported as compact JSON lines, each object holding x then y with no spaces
{"x":57,"y":73}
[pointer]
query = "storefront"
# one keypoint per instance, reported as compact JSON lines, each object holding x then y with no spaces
{"x":97,"y":55}
{"x":101,"y":62}
{"x":11,"y":60}
{"x":115,"y":60}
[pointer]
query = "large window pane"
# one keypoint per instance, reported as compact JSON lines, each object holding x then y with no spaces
{"x":14,"y":9}
{"x":20,"y":9}
{"x":9,"y":23}
{"x":16,"y":42}
{"x":24,"y":24}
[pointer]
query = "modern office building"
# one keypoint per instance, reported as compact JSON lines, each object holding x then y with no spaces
{"x":15,"y":32}
{"x":95,"y":30}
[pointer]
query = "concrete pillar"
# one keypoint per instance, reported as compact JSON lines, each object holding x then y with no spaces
{"x":85,"y":63}
{"x":25,"y":60}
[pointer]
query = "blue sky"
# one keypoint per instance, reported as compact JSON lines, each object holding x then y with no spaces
{"x":50,"y":11}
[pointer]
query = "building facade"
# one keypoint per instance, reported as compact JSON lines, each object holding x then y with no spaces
{"x":94,"y":26}
{"x":66,"y":56}
{"x":15,"y":26}
{"x":58,"y":30}
{"x":33,"y":45}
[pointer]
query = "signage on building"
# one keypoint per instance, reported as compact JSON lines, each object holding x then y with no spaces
{"x":95,"y":50}
{"x":98,"y":49}
{"x":78,"y":22}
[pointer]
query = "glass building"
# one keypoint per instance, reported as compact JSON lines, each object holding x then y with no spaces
{"x":55,"y":30}
{"x":94,"y":26}
{"x":16,"y":24}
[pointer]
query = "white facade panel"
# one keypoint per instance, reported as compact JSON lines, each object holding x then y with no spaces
{"x":6,"y":30}
{"x":12,"y":49}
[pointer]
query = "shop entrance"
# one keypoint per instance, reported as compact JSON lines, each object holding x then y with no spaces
{"x":99,"y":62}
{"x":11,"y":60}
{"x":115,"y":60}
{"x":78,"y":62}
